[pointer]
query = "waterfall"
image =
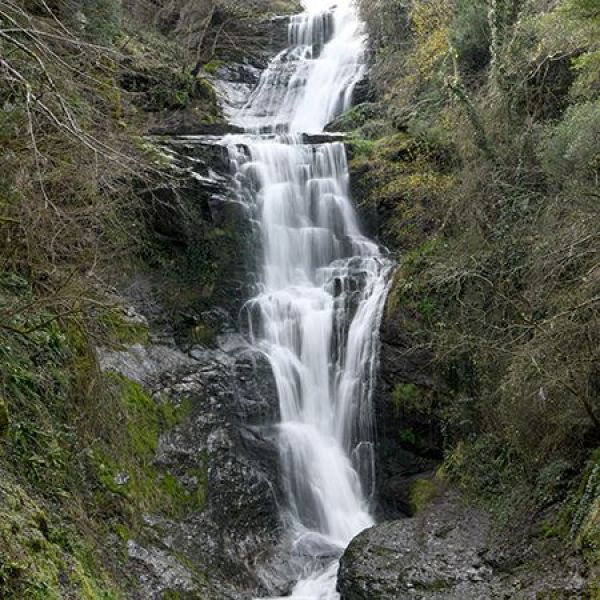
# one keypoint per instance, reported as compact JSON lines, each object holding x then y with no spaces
{"x":321,"y":286}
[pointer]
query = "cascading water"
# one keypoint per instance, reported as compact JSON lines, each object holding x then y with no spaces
{"x":322,"y":286}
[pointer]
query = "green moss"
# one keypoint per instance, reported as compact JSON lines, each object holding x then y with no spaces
{"x":124,"y":458}
{"x":118,"y":329}
{"x":152,"y":152}
{"x":184,"y":500}
{"x":411,"y":399}
{"x":422,"y":493}
{"x":583,"y":513}
{"x":4,"y":418}
{"x":42,"y":561}
{"x":593,"y":590}
{"x":361,"y":148}
{"x":213,"y":66}
{"x":407,"y":437}
{"x":405,"y":393}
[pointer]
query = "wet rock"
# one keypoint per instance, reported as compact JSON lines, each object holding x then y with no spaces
{"x":160,"y":572}
{"x":322,"y":138}
{"x":414,"y":558}
{"x":235,"y":83}
{"x":180,"y":124}
{"x":442,"y":554}
{"x":365,"y":91}
{"x":199,"y":225}
{"x":257,"y":397}
{"x":403,"y":367}
{"x":235,"y":80}
{"x":143,"y":364}
{"x":229,"y":467}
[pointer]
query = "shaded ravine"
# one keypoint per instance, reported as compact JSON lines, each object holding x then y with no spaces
{"x":320,"y":290}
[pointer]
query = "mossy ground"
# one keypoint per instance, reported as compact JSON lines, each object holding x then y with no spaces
{"x":76,"y":456}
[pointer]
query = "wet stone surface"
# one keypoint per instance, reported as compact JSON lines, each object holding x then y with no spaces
{"x":447,"y":552}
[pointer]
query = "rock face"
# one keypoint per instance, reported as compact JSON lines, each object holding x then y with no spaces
{"x":223,"y":453}
{"x":406,"y":438}
{"x":200,"y":227}
{"x":444,"y":554}
{"x":216,"y":453}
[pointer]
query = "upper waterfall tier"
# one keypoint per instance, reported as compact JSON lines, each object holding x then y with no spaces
{"x":310,"y":83}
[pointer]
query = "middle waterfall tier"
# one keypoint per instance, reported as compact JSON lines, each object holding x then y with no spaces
{"x":316,"y":317}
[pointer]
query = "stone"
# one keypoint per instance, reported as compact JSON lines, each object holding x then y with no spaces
{"x":180,"y":124}
{"x":230,"y":466}
{"x":159,"y":571}
{"x":142,"y":364}
{"x":442,"y":554}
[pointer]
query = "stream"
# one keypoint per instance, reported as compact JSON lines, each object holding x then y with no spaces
{"x":321,"y":287}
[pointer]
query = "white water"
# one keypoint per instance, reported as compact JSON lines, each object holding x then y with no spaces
{"x":322,"y":287}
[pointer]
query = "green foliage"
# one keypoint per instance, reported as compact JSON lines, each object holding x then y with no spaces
{"x":470,"y":35}
{"x":99,"y":19}
{"x":361,"y":147}
{"x":408,"y":437}
{"x":118,"y":328}
{"x":488,"y":190}
{"x":405,"y":394}
{"x":213,"y":66}
{"x":83,"y":447}
{"x":40,"y":560}
{"x":77,"y":447}
{"x":401,"y":175}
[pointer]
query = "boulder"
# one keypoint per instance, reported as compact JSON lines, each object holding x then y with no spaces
{"x":444,"y":554}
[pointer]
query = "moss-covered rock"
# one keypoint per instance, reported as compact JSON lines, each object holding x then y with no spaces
{"x":4,"y":417}
{"x":422,"y":492}
{"x":40,"y":557}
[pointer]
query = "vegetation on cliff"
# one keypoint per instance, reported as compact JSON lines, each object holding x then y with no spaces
{"x":478,"y":160}
{"x":81,"y":83}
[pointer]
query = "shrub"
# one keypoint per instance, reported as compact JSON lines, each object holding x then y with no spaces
{"x":470,"y":35}
{"x":571,"y":147}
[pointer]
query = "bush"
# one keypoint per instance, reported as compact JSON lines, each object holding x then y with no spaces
{"x":470,"y":35}
{"x":571,"y":147}
{"x":497,"y":159}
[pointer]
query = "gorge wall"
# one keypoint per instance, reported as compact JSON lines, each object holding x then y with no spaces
{"x":138,"y":457}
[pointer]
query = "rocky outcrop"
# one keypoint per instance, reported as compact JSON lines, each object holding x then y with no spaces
{"x":217,"y":455}
{"x":201,"y":229}
{"x":445,"y":554}
{"x":223,"y":453}
{"x":407,"y":440}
